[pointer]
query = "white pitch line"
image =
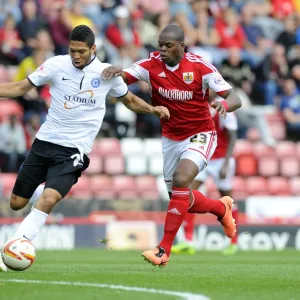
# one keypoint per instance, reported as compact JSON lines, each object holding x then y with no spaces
{"x":182,"y":295}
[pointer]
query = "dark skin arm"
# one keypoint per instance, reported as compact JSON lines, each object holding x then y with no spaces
{"x":15,"y":89}
{"x":233,"y":100}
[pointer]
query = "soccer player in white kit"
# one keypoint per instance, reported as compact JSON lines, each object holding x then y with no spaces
{"x":60,"y":151}
{"x":181,"y":82}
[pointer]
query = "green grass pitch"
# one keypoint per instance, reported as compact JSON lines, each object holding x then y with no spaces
{"x":247,"y":275}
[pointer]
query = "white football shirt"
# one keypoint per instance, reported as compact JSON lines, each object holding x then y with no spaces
{"x":77,"y":101}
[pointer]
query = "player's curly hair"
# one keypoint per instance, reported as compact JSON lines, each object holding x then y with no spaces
{"x":83,"y":33}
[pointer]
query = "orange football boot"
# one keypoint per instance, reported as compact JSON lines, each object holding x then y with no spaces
{"x":156,"y":257}
{"x":228,"y":222}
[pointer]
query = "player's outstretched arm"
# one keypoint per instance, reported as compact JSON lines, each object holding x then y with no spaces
{"x":114,"y":71}
{"x":15,"y":89}
{"x":138,"y":105}
{"x":232,"y":102}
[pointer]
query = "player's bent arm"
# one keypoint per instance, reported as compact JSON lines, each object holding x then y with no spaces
{"x":15,"y":89}
{"x":114,"y":71}
{"x":233,"y":100}
{"x":138,"y":105}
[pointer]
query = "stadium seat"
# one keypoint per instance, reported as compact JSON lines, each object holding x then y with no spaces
{"x":295,"y":185}
{"x":239,"y":190}
{"x":95,"y":166}
{"x":7,"y":181}
{"x":289,"y":166}
{"x":286,"y":148}
{"x":256,"y":185}
{"x":123,"y":182}
{"x":155,"y":164}
{"x":242,"y":147}
{"x":136,"y":164}
{"x":278,"y":186}
{"x":147,"y":187}
{"x":128,"y":195}
{"x":152,"y":146}
{"x":246,"y":165}
{"x":298,"y":148}
{"x":9,"y":107}
{"x":253,"y":134}
{"x":101,"y":185}
{"x":114,"y":164}
{"x":81,"y":190}
{"x":277,"y":129}
{"x":106,"y":146}
{"x":145,"y":182}
{"x":132,"y":146}
{"x":260,"y":149}
{"x":268,"y":165}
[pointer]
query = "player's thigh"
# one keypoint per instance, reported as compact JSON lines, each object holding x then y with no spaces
{"x":171,"y":155}
{"x":62,"y":183}
{"x":199,"y":148}
{"x":225,"y":184}
{"x":31,"y":174}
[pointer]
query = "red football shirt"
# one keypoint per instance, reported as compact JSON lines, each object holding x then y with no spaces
{"x":222,"y":126}
{"x":183,"y":89}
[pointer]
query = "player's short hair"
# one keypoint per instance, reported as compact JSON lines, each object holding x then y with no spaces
{"x":83,"y":33}
{"x":175,"y":31}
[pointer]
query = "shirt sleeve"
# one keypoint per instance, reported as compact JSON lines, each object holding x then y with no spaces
{"x":230,"y":122}
{"x":138,"y":71}
{"x":119,"y":88}
{"x":216,"y":82}
{"x":43,"y":74}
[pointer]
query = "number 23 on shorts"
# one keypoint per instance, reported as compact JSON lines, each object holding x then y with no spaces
{"x":200,"y":138}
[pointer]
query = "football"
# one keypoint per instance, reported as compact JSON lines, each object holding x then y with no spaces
{"x":18,"y":254}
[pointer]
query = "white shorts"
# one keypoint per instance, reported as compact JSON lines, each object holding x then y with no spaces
{"x":198,"y":148}
{"x":213,"y":169}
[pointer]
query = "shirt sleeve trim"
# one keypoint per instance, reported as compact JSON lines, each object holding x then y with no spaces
{"x":31,"y":81}
{"x":123,"y":95}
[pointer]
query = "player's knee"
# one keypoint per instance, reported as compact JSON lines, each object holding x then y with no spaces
{"x":49,"y":198}
{"x":181,"y":180}
{"x":17,"y":203}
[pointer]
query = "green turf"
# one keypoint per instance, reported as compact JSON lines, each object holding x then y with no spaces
{"x":247,"y":275}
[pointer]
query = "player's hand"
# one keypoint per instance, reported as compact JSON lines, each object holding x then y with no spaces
{"x":223,"y":171}
{"x":218,"y":106}
{"x":110,"y":72}
{"x":162,"y":112}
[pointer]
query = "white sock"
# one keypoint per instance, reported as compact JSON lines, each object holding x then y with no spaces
{"x":32,"y":224}
{"x":37,"y":193}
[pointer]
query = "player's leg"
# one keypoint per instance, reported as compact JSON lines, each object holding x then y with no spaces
{"x":222,"y":208}
{"x":188,"y":246}
{"x":225,"y":188}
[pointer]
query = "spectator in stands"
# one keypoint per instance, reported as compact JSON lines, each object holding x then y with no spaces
{"x":290,"y":107}
{"x":270,"y":73}
{"x":31,"y":23}
{"x":121,"y":32}
{"x":12,"y":143}
{"x":237,"y":72}
{"x":287,"y":38}
{"x":77,"y":18}
{"x":31,"y":128}
{"x":10,"y":7}
{"x":11,"y":44}
{"x":60,"y":28}
{"x":32,"y":101}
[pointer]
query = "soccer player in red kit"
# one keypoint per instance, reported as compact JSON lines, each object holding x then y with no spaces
{"x":181,"y":82}
{"x":221,"y":168}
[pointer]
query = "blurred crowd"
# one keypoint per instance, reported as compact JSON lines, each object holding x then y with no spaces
{"x":254,"y":43}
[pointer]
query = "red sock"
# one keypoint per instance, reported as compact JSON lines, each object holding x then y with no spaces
{"x":189,"y":226}
{"x":235,"y":214}
{"x":203,"y":205}
{"x":177,"y":210}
